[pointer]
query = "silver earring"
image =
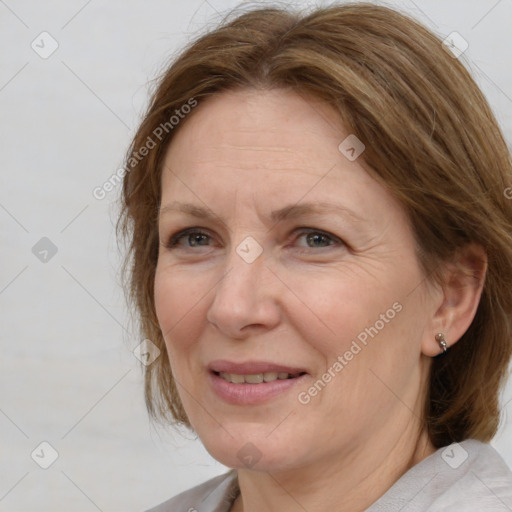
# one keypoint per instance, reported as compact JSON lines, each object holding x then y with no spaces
{"x":442,"y":342}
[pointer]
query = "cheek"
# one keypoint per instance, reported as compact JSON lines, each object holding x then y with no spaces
{"x":179,"y":310}
{"x":330,"y":309}
{"x":363,"y":328}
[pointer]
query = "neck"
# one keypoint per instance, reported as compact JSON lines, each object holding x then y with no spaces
{"x":355,"y":479}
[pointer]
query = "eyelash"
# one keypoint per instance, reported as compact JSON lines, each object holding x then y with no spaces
{"x":173,"y":242}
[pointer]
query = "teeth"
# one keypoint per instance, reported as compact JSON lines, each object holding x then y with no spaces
{"x":270,"y":376}
{"x":237,"y":379}
{"x":256,"y":378}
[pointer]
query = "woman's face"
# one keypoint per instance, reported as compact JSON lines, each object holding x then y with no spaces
{"x":282,"y":260}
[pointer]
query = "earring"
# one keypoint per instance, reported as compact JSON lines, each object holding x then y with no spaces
{"x":442,"y":342}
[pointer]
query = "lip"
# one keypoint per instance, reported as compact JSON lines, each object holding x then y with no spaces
{"x":251,"y":394}
{"x":251,"y":367}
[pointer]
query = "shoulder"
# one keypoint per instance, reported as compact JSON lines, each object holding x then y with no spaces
{"x":469,"y":476}
{"x":481,"y":478}
{"x":215,"y":495}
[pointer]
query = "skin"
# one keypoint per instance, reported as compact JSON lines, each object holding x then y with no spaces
{"x":301,"y":303}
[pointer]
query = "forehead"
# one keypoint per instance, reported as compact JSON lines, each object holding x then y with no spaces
{"x":266,"y":149}
{"x":258,"y":131}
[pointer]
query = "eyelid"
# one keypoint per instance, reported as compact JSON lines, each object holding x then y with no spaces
{"x":172,"y":240}
{"x":308,"y":229}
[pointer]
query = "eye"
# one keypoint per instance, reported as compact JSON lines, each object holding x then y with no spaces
{"x":317,"y":239}
{"x":308,"y":238}
{"x":191,"y":237}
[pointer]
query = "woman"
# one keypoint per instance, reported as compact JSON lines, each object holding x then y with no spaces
{"x":321,"y":250}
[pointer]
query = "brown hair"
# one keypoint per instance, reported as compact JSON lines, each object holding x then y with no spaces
{"x":430,"y":138}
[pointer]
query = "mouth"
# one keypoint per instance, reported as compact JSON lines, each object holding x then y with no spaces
{"x":253,"y":382}
{"x":257,"y":378}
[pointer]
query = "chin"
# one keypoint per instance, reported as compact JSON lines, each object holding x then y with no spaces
{"x":248,"y":449}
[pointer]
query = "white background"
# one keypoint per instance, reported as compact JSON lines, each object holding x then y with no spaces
{"x":67,"y":375}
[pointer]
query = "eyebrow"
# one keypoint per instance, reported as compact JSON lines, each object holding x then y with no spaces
{"x":287,"y":213}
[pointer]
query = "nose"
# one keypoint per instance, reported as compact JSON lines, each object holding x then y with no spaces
{"x":246,"y":299}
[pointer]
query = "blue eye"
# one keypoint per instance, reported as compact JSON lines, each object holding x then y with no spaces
{"x":311,"y":239}
{"x":193,"y":237}
{"x":317,"y":239}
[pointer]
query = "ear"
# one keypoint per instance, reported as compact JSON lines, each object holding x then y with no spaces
{"x":461,"y":289}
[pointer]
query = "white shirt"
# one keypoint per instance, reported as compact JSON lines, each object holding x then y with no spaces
{"x":466,"y":477}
